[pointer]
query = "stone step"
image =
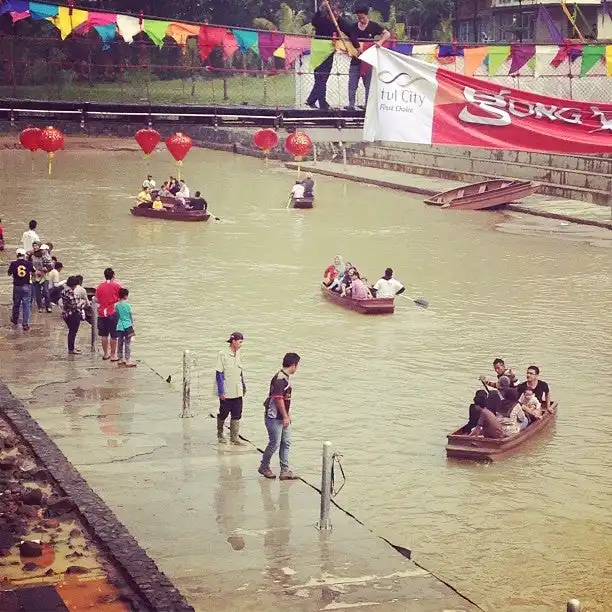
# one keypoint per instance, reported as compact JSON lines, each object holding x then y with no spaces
{"x":584,"y":179}
{"x":599,"y":164}
{"x":567,"y":192}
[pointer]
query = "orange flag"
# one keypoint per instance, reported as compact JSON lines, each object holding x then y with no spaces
{"x":472,"y":58}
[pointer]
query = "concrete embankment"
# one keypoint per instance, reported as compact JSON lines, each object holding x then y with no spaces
{"x":226,"y":537}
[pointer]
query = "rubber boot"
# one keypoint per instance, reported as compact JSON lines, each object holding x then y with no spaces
{"x":234,"y":431}
{"x":220,"y":437}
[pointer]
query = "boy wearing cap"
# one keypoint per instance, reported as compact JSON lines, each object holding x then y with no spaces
{"x":230,"y":388}
{"x":43,"y":264}
{"x":21,"y":270}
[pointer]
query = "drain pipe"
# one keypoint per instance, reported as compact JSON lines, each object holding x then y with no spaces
{"x":573,"y":605}
{"x":326,"y":475}
{"x":94,"y":323}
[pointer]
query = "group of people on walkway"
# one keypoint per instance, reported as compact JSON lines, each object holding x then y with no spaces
{"x":345,"y":279}
{"x":506,"y":407}
{"x":353,"y":38}
{"x":230,"y":388}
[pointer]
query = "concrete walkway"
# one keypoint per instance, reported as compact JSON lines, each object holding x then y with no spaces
{"x":226,"y":537}
{"x":573,"y":211}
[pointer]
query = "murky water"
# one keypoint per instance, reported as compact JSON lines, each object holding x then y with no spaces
{"x":526,"y":534}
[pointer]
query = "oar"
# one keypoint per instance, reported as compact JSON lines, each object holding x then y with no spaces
{"x":289,"y":201}
{"x":419,"y":301}
{"x":213,"y":216}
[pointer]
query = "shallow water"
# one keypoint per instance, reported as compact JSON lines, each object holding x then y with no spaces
{"x":524,"y":534}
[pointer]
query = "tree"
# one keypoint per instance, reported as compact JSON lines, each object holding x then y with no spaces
{"x":286,"y":20}
{"x":397,"y":29}
{"x":424,"y":15}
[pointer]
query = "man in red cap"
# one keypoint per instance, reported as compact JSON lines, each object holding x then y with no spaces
{"x":230,"y":388}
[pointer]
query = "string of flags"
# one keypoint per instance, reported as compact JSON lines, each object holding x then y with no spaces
{"x":290,"y":47}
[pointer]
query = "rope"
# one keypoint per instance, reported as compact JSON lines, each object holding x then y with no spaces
{"x":336,"y":458}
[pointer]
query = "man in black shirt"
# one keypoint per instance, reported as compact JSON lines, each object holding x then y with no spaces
{"x":540,"y":389}
{"x":198,"y":203}
{"x":367,"y":30}
{"x":21,"y":270}
{"x":324,"y":28}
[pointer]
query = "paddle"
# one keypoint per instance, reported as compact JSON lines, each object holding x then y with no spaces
{"x":419,"y":301}
{"x":289,"y":201}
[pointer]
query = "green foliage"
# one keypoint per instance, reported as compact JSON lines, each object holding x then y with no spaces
{"x":424,"y":15}
{"x":286,"y":20}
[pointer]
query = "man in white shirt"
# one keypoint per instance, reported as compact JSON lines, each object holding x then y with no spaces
{"x":387,"y":286}
{"x":297,"y":191}
{"x":149,"y":183}
{"x":230,"y":388}
{"x":30,"y":236}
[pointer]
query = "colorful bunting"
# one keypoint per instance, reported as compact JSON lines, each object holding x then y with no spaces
{"x":106,"y":33}
{"x":156,"y":30}
{"x":99,"y":19}
{"x":229,"y":45}
{"x":473,"y":58}
{"x":247,"y":40}
{"x":19,"y":16}
{"x":68,"y":19}
{"x":450,"y":50}
{"x":497,"y":57}
{"x":181,"y":31}
{"x":402,"y":47}
{"x":590,"y":56}
{"x":40,"y":11}
{"x":14,"y":6}
{"x":268,"y":43}
{"x":520,"y":55}
{"x":294,"y":46}
{"x":209,"y":38}
{"x":128,"y":27}
{"x":320,"y":50}
{"x":609,"y":60}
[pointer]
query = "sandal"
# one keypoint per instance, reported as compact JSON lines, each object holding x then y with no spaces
{"x":106,"y":357}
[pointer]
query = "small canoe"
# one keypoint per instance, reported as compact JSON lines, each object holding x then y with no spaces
{"x":462,"y":446}
{"x":487,"y":194}
{"x":302,"y":202}
{"x":371,"y":306}
{"x":170,"y":215}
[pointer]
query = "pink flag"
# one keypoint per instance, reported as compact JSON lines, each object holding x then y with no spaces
{"x":19,"y":16}
{"x":294,"y":47}
{"x":209,"y":38}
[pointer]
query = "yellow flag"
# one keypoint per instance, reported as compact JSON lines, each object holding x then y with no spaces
{"x":66,"y":22}
{"x":609,"y":60}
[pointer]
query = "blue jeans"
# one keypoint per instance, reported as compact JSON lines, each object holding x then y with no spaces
{"x":22,"y":299}
{"x":354,"y":76}
{"x":278,"y":436}
{"x":41,"y":293}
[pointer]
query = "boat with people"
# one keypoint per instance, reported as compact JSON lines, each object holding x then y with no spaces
{"x":483,"y":195}
{"x":362,"y":306}
{"x":461,"y":445}
{"x":168,"y":214}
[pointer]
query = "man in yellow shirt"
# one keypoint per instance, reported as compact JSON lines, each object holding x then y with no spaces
{"x":230,"y":388}
{"x":144,"y":196}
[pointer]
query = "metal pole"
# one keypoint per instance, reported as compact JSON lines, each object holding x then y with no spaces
{"x":326,"y":471}
{"x":343,"y":155}
{"x":186,"y":385}
{"x":314,"y":153}
{"x":94,"y":323}
{"x":573,"y":605}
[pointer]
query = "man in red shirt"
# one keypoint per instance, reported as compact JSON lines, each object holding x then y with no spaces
{"x":107,"y":295}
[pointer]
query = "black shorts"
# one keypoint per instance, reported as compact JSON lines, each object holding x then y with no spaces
{"x":107,"y":326}
{"x":231,"y":405}
{"x":126,"y":333}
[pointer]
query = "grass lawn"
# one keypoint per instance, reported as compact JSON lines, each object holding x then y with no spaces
{"x":253,"y":91}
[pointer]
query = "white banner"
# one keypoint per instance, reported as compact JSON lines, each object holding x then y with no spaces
{"x":402,"y":95}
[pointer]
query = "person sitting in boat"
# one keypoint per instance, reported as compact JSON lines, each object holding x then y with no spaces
{"x":488,"y":424}
{"x":165,"y":191}
{"x":198,"y":203}
{"x":149,"y":183}
{"x":531,"y":405}
{"x":500,"y":369}
{"x":478,"y":403}
{"x":333,"y":271}
{"x":158,"y":204}
{"x":173,"y":186}
{"x":387,"y":286}
{"x":144,"y":196}
{"x":540,"y":389}
{"x":308,"y":185}
{"x":297,"y":191}
{"x":511,"y":415}
{"x":343,"y":279}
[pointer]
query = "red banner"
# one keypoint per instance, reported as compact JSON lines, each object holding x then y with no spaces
{"x":413,"y":101}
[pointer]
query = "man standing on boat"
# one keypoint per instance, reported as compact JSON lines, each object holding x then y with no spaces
{"x":230,"y":388}
{"x":500,"y":369}
{"x":387,"y":286}
{"x":149,"y":182}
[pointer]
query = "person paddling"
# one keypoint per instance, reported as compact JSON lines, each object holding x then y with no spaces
{"x":387,"y":286}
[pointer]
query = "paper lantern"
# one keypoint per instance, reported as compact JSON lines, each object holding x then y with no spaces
{"x":30,"y":138}
{"x":51,"y":140}
{"x":298,"y":144}
{"x":265,"y":139}
{"x":178,"y":144}
{"x":147,"y":140}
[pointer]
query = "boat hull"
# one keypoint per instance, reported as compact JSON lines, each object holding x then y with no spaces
{"x":461,"y":446}
{"x":170,"y":215}
{"x":488,"y":194}
{"x":371,"y":306}
{"x":302,"y":202}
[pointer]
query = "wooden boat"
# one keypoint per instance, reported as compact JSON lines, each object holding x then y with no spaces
{"x":462,"y":446}
{"x":302,"y":202}
{"x":487,"y":194}
{"x":170,"y":215}
{"x":371,"y":306}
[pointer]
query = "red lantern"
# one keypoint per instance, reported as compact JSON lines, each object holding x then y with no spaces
{"x":178,"y":144}
{"x":30,"y":138}
{"x":298,"y":144}
{"x":147,"y":139}
{"x":265,"y":139}
{"x":51,"y":140}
